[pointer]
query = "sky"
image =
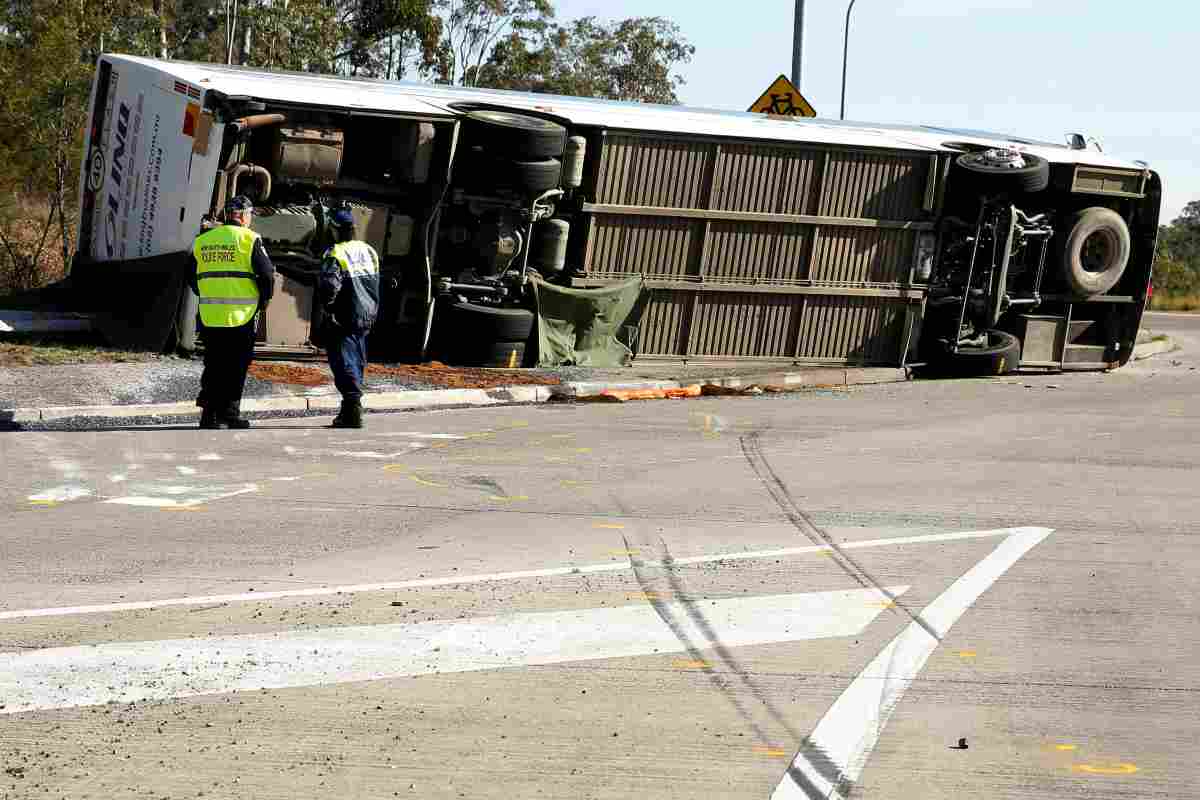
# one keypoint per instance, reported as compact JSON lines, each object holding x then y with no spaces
{"x":1124,"y":72}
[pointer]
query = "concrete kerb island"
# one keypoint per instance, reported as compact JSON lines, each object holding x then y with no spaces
{"x":325,"y":404}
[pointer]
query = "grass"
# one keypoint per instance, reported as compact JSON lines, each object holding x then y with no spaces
{"x":1175,"y":302}
{"x":41,"y":351}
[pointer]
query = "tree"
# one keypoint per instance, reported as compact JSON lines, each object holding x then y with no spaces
{"x":472,"y":29}
{"x":634,"y":59}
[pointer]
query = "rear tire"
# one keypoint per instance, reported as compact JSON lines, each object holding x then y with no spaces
{"x":1001,"y":356}
{"x":515,"y":136}
{"x":1096,"y":251}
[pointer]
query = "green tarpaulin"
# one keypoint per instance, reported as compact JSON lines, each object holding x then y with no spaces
{"x":581,"y":326}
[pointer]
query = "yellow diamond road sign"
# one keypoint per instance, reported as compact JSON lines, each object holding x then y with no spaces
{"x":782,"y":98}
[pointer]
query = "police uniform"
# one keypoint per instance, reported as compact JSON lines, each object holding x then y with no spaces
{"x":348,"y":293}
{"x":234,"y":279}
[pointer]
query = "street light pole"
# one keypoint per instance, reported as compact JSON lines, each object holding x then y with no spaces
{"x":845,"y":56}
{"x":798,"y":45}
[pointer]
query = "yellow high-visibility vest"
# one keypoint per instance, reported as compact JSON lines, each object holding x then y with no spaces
{"x":225,"y":275}
{"x":355,"y":258}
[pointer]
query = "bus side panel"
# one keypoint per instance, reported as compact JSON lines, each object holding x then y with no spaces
{"x":143,"y":131}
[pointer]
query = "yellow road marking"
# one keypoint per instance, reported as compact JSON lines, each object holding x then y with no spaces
{"x":970,"y":654}
{"x":645,"y":596}
{"x":562,"y":436}
{"x":320,"y":475}
{"x":43,"y":503}
{"x":1065,"y":747}
{"x":183,"y":508}
{"x":583,"y":450}
{"x":631,"y":552}
{"x":510,"y":498}
{"x":882,"y":604}
{"x":690,"y":663}
{"x":424,"y":482}
{"x":770,"y":751}
{"x":1106,"y":769}
{"x":395,"y":468}
{"x":612,"y":526}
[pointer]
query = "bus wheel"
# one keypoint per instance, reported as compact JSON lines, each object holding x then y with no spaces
{"x":1002,"y":170}
{"x":1096,"y":251}
{"x":516,"y":136}
{"x":1001,"y":356}
{"x":531,"y":177}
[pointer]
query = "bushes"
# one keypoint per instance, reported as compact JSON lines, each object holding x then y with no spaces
{"x":31,"y":251}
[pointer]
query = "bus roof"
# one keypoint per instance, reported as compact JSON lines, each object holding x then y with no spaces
{"x":436,"y":100}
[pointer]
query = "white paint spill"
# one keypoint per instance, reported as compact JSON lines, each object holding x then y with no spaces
{"x":186,"y":470}
{"x":844,"y":738}
{"x":67,"y":677}
{"x":466,"y":580}
{"x":182,"y":496}
{"x":208,"y":457}
{"x":61,"y":494}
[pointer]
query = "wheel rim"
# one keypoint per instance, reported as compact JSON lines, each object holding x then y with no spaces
{"x":1097,"y":252}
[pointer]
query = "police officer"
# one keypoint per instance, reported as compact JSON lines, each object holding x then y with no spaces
{"x":234,"y":278}
{"x":348,"y":293}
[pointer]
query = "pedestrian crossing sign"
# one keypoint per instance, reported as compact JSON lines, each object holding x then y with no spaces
{"x":782,"y":98}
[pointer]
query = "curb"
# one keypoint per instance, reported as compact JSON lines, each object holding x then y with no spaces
{"x":385,"y":402}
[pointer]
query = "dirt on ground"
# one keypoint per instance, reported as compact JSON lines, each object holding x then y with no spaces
{"x":436,"y":373}
{"x":289,"y":374}
{"x":433,"y":373}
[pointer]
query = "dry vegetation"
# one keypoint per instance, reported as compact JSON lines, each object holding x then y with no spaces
{"x":40,"y":351}
{"x":31,"y":251}
{"x":1175,"y":302}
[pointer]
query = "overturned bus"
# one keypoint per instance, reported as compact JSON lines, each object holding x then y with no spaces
{"x":532,"y":229}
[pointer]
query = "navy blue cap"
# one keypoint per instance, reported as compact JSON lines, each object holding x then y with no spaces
{"x":238,"y":204}
{"x":342,"y":219}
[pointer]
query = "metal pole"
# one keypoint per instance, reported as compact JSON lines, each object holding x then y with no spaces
{"x":845,"y":56}
{"x":798,"y":45}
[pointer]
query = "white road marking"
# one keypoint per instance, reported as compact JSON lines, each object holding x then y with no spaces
{"x":117,"y":478}
{"x":462,"y":580}
{"x":294,"y":451}
{"x":186,"y":470}
{"x":61,"y":494}
{"x":208,"y":457}
{"x":183,"y":496}
{"x":846,"y":735}
{"x":415,"y":435}
{"x":67,"y":677}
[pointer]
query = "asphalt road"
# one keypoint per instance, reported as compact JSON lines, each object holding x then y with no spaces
{"x":775,"y":596}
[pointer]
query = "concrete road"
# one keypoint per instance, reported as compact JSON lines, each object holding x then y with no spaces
{"x":941,"y":589}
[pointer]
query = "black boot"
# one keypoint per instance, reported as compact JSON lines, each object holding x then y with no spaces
{"x":209,"y":421}
{"x":232,"y":418}
{"x":350,"y":415}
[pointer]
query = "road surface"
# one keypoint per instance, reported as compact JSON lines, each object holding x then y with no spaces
{"x":980,"y":588}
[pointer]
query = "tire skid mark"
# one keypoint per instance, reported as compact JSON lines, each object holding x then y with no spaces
{"x":661,"y":602}
{"x":777,"y":489}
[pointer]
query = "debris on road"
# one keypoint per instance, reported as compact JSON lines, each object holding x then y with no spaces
{"x":289,"y":374}
{"x":438,"y":374}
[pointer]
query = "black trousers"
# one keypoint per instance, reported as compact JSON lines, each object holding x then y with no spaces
{"x":227,"y":356}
